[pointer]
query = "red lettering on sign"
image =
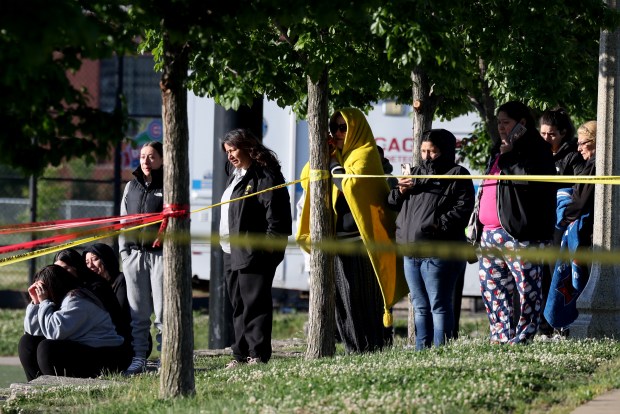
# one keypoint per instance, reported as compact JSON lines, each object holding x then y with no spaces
{"x":395,"y":144}
{"x":408,"y":144}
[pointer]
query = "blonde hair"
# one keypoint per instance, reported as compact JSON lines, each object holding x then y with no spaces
{"x":588,"y":129}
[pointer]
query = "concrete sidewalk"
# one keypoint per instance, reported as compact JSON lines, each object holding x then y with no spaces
{"x":603,"y":404}
{"x":9,"y":361}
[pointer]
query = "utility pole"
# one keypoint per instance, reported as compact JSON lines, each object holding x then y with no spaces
{"x":599,"y":304}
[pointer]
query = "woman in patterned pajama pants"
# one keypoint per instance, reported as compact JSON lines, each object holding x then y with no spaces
{"x":511,"y":216}
{"x":499,"y":275}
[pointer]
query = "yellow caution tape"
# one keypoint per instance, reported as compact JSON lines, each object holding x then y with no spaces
{"x":248,"y":195}
{"x":318,"y":175}
{"x":570,"y":179}
{"x":445,"y":250}
{"x":5,"y":261}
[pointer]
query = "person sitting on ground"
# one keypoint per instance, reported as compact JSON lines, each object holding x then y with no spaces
{"x":68,"y":332}
{"x":102,"y":260}
{"x":73,"y":262}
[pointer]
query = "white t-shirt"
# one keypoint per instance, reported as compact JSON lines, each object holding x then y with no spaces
{"x":224,"y":226}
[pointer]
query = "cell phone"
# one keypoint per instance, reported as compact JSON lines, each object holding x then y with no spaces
{"x":517,"y":132}
{"x":405,"y":169}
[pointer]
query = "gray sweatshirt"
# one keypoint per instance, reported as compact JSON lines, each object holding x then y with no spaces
{"x":79,"y":319}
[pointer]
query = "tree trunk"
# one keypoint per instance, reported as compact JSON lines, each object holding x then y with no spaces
{"x":424,"y":104}
{"x":321,"y":318}
{"x":177,"y":357}
{"x":486,"y":105}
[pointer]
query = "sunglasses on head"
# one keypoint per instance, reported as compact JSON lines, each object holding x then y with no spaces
{"x":333,"y":128}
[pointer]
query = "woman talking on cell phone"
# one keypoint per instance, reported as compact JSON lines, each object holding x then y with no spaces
{"x":511,"y":216}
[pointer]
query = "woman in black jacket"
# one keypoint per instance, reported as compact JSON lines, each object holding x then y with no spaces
{"x":250,"y":269}
{"x":102,"y":260}
{"x":514,"y":215}
{"x":571,"y":276}
{"x":433,"y":210}
{"x":557,"y":129}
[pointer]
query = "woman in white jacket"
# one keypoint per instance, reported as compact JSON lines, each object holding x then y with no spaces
{"x":67,"y":330}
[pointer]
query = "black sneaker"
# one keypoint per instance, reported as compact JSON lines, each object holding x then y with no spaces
{"x":137,"y":366}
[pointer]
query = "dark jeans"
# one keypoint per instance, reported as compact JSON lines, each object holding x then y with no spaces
{"x":432,"y":282}
{"x":249,"y":290}
{"x":40,"y":356}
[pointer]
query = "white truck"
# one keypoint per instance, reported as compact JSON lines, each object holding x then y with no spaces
{"x":288,"y":137}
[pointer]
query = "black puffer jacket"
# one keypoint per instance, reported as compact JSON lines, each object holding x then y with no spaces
{"x":264,"y":215}
{"x":434,"y":209}
{"x":140,"y":198}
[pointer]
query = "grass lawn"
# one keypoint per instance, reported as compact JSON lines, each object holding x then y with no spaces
{"x":467,"y":376}
{"x":11,"y":329}
{"x":9,"y":375}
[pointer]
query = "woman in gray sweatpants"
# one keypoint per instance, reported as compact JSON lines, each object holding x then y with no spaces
{"x":141,"y":253}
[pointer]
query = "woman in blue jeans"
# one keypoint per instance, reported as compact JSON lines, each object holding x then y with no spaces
{"x":433,"y":210}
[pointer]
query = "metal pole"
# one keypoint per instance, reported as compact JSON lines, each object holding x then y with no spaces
{"x":32,"y":263}
{"x":117,"y":150}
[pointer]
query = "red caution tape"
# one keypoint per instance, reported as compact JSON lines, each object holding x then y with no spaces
{"x":71,"y":223}
{"x":123,"y":221}
{"x":170,"y":210}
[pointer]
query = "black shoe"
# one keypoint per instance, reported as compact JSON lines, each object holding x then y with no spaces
{"x":544,"y":328}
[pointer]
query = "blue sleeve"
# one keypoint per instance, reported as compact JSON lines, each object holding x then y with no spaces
{"x":64,"y":322}
{"x":31,"y":320}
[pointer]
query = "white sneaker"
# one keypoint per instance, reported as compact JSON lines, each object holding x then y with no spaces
{"x":232,"y":364}
{"x":137,"y":366}
{"x":253,"y":361}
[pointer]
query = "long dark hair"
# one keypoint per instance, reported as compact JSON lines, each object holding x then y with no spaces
{"x":107,"y":256}
{"x":559,"y":119}
{"x":57,"y":281}
{"x":245,"y":140}
{"x":74,"y":259}
{"x":518,"y":110}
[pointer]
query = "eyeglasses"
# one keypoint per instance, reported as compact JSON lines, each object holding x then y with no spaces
{"x":333,"y":128}
{"x":582,"y":143}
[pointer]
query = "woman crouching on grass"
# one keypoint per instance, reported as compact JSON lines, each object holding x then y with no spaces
{"x":68,"y":331}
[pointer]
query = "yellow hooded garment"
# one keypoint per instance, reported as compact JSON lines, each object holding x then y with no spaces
{"x":367,"y":199}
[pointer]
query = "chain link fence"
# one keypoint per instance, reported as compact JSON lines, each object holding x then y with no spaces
{"x":57,"y":199}
{"x":76,"y":189}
